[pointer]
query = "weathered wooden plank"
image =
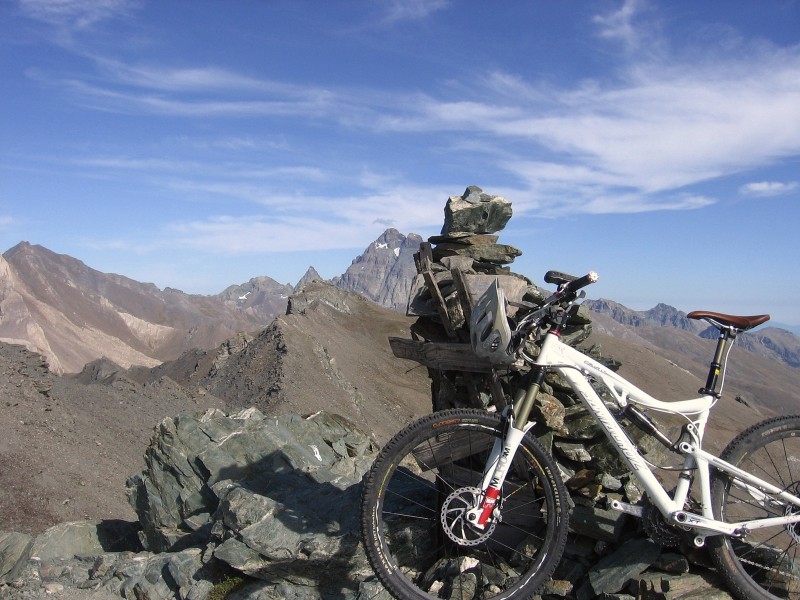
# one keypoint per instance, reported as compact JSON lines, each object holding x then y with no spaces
{"x":463,"y":292}
{"x":446,"y":356}
{"x":425,"y":257}
{"x":441,"y":305}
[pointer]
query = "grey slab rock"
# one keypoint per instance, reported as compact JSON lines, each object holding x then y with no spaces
{"x":616,"y":570}
{"x":84,"y":538}
{"x":476,"y":212}
{"x":500,"y":254}
{"x":189,"y":455}
{"x":597,"y":523}
{"x":15,"y":549}
{"x":698,"y":586}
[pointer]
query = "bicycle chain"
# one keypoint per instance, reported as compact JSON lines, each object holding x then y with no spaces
{"x":765,"y":567}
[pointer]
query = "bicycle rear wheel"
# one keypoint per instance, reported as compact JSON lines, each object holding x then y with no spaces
{"x":415,"y":497}
{"x":766,"y":562}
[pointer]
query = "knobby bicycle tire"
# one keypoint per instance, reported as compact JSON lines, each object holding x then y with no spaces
{"x":765,"y":563}
{"x":412,"y":513}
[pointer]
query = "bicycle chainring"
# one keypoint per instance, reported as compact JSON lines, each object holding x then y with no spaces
{"x":454,"y":517}
{"x":657,"y":528}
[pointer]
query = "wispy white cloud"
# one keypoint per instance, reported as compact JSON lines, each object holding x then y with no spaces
{"x":67,"y":20}
{"x":634,"y":141}
{"x":619,"y":24}
{"x":190,"y":79}
{"x":238,"y":171}
{"x":411,"y":10}
{"x":316,"y":223}
{"x":310,"y":103}
{"x":769,"y":188}
{"x":77,"y":14}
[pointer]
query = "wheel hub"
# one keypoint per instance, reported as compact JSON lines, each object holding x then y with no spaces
{"x":455,"y":521}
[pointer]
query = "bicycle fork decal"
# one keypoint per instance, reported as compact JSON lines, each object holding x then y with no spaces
{"x":498,"y":466}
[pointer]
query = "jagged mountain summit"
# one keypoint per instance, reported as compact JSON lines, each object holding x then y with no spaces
{"x":385,"y":271}
{"x":261,"y":298}
{"x":309,"y":276}
{"x":661,"y":315}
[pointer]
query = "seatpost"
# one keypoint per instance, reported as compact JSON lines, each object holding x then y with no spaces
{"x":725,"y":334}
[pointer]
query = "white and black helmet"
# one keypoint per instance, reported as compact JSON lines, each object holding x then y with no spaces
{"x":489,"y":331}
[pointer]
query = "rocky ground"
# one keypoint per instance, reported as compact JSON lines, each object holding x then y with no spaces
{"x":67,"y":448}
{"x":70,"y":443}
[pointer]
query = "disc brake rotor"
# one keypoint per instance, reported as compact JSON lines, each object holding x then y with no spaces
{"x":454,"y":517}
{"x":793,"y":529}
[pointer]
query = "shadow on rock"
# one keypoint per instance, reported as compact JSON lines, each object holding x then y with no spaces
{"x":275,"y":498}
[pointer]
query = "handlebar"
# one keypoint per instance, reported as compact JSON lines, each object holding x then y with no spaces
{"x":568,"y":287}
{"x":581,"y":282}
{"x":568,"y":284}
{"x":554,"y":311}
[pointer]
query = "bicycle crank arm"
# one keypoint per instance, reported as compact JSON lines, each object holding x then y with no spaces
{"x":628,"y":509}
{"x":703,"y":525}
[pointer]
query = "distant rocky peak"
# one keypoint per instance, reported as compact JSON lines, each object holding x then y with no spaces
{"x":256,"y":286}
{"x":669,"y":316}
{"x":618,"y":312}
{"x":310,"y":276}
{"x":385,"y":270}
{"x":661,"y":315}
{"x":25,"y":248}
{"x":390,"y":240}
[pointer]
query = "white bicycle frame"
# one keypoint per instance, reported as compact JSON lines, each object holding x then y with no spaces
{"x":578,"y":368}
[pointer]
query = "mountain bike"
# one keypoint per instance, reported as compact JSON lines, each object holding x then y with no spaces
{"x":467,"y":503}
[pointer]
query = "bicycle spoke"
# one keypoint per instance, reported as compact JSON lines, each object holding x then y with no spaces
{"x":765,"y":563}
{"x":425,"y":490}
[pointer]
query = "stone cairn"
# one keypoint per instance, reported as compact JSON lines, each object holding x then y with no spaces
{"x":609,"y":554}
{"x":454,"y":269}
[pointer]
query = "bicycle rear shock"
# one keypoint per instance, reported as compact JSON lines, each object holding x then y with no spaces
{"x":646,"y":424}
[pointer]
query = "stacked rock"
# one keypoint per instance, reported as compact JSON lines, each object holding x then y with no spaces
{"x":469,"y":222}
{"x":455,"y":268}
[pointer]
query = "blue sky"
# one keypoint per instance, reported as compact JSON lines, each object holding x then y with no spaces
{"x":196,"y":144}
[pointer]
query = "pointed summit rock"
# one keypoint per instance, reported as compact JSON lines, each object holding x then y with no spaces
{"x":310,"y":276}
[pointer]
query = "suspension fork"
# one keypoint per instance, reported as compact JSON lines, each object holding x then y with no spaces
{"x":504,"y":450}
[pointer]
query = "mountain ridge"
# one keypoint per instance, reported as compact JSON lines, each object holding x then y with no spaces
{"x":769,"y":342}
{"x":72,"y":314}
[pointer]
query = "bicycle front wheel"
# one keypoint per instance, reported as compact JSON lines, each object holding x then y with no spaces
{"x":413,"y":514}
{"x":765,"y":563}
